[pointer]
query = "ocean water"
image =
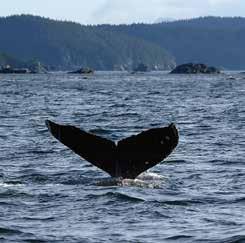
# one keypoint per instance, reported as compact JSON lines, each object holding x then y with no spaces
{"x":49,"y":194}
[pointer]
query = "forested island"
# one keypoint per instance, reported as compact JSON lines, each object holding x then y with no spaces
{"x":62,"y":45}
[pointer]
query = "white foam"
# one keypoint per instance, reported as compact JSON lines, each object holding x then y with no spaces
{"x":140,"y":183}
{"x":145,"y":180}
{"x":2,"y":184}
{"x":133,"y":182}
{"x":150,"y":176}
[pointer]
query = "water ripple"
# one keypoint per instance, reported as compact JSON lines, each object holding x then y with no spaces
{"x":49,"y":194}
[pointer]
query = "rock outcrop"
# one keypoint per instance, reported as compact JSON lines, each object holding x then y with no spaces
{"x":8,"y":70}
{"x":31,"y":67}
{"x":191,"y":68}
{"x":83,"y":71}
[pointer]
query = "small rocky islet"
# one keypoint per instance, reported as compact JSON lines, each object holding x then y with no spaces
{"x":192,"y":68}
{"x":188,"y":68}
{"x":82,"y":71}
{"x":34,"y":68}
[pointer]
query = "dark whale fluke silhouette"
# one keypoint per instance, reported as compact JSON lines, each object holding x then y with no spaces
{"x":128,"y":158}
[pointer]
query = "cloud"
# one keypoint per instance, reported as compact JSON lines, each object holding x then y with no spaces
{"x":218,"y":2}
{"x":123,"y":11}
{"x":75,"y":10}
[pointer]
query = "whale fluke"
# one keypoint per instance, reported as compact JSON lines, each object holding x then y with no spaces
{"x":129,"y":158}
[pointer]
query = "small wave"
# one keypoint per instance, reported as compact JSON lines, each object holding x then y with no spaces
{"x":232,"y":78}
{"x":154,"y":93}
{"x":9,"y":231}
{"x":195,"y":201}
{"x":180,"y":202}
{"x":10,"y":184}
{"x":179,"y":237}
{"x":177,"y":161}
{"x":13,"y":194}
{"x":194,"y":176}
{"x":118,"y":105}
{"x":3,"y":136}
{"x":222,"y":222}
{"x":239,"y":200}
{"x":100,"y":131}
{"x":234,"y":239}
{"x":80,"y":180}
{"x":225,"y":162}
{"x":35,"y":178}
{"x":116,"y":196}
{"x":39,"y":218}
{"x":49,"y":151}
{"x":47,"y":197}
{"x":125,"y":197}
{"x":28,"y":240}
{"x":79,"y":88}
{"x":5,"y":233}
{"x":42,"y":130}
{"x":30,"y":176}
{"x":127,"y":114}
{"x":8,"y":204}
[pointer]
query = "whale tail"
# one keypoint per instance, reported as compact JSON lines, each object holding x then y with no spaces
{"x":129,"y":158}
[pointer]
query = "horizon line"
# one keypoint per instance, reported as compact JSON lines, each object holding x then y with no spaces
{"x":118,"y":24}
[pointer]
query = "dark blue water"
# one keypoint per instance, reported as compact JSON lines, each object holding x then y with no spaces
{"x":49,"y":194}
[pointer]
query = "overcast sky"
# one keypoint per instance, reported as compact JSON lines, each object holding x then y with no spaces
{"x":122,"y":11}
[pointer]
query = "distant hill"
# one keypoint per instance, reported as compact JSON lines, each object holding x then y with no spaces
{"x":212,"y":40}
{"x":67,"y":45}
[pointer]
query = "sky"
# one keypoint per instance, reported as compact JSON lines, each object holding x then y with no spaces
{"x":122,"y":11}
